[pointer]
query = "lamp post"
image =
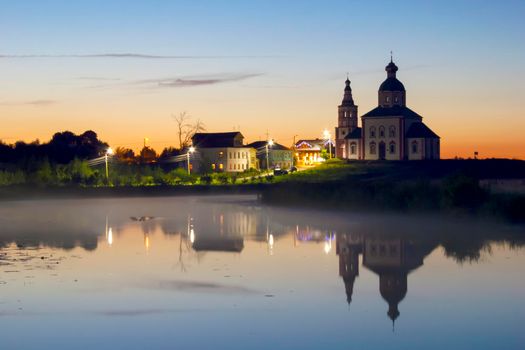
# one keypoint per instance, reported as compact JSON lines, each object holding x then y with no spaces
{"x":326,"y":134}
{"x":190,"y":150}
{"x":293,"y":153}
{"x":268,"y":144}
{"x":109,"y":152}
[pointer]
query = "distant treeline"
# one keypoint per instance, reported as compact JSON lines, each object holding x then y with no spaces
{"x":70,"y":159}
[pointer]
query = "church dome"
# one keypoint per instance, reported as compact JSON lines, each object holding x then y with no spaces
{"x":392,"y":84}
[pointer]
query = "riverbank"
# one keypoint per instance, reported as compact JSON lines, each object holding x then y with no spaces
{"x":453,"y":186}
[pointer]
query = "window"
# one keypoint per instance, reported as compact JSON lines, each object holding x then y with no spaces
{"x":392,"y":147}
{"x":231,"y":155}
{"x":372,"y":148}
{"x":373,"y":131}
{"x":221,"y":166}
{"x":353,"y":148}
{"x":381,"y":131}
{"x":238,"y":155}
{"x":414,"y":147}
{"x":346,"y":114}
{"x":388,"y":99}
{"x":213,"y":166}
{"x":392,"y":131}
{"x":396,"y":99}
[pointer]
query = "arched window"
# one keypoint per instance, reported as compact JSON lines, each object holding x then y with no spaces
{"x":372,"y":148}
{"x":392,"y":131}
{"x":392,"y":147}
{"x":381,"y":131}
{"x":388,"y":99}
{"x":353,"y":148}
{"x":373,"y":132}
{"x":414,"y":147}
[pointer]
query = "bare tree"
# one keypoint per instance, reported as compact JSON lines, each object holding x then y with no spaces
{"x":186,"y":128}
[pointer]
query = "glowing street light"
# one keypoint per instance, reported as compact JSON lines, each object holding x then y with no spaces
{"x":109,"y":152}
{"x":268,"y":144}
{"x":326,"y":134}
{"x":190,"y":150}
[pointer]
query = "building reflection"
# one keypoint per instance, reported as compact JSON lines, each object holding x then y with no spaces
{"x":392,"y":259}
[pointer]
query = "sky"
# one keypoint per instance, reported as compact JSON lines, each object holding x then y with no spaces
{"x":124,"y":68}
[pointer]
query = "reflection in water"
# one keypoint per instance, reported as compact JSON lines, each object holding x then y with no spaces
{"x":392,"y":259}
{"x":391,"y":247}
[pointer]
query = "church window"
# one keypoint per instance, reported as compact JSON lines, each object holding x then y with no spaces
{"x":373,"y":131}
{"x":396,"y":99}
{"x":392,"y":147}
{"x":381,"y":131}
{"x":392,"y":131}
{"x":388,"y":99}
{"x":372,"y":148}
{"x":414,"y":147}
{"x":352,"y":148}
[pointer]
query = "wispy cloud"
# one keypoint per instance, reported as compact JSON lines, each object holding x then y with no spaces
{"x":34,"y":103}
{"x":182,"y":82}
{"x":97,"y":79}
{"x":199,"y":81}
{"x":129,"y":55}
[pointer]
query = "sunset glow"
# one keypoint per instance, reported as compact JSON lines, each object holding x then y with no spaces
{"x":225,"y":65}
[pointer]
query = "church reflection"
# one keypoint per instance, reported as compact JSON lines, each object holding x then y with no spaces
{"x":391,"y":258}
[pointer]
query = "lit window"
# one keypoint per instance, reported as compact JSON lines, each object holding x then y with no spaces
{"x":213,"y":166}
{"x":221,"y":166}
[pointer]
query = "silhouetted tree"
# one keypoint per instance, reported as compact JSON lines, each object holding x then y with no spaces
{"x":186,"y":129}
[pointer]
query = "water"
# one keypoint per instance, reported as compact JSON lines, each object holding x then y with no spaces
{"x":226,"y":272}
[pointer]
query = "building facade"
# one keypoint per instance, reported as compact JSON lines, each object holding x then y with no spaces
{"x":222,"y":152}
{"x":391,"y":131}
{"x":279,"y":156}
{"x":310,"y":152}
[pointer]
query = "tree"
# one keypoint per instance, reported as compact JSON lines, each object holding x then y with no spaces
{"x":186,"y":128}
{"x":125,"y":154}
{"x":147,"y":155}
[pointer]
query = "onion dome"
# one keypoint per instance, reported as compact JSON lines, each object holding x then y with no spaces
{"x":391,"y":83}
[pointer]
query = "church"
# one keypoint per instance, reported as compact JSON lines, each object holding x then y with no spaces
{"x":391,"y":131}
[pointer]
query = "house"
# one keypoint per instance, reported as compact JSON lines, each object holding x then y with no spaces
{"x":310,"y":152}
{"x":279,"y":156}
{"x":391,"y":131}
{"x":222,"y":152}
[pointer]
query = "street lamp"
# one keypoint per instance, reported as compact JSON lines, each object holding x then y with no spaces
{"x":268,"y":144}
{"x":190,"y":150}
{"x":326,"y":134}
{"x":109,"y":152}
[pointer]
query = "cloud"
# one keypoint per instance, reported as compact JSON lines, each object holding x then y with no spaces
{"x":34,"y":103}
{"x":198,"y":81}
{"x":97,"y":79}
{"x":128,"y":55}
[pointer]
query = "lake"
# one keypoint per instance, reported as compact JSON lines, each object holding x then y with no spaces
{"x":224,"y":272}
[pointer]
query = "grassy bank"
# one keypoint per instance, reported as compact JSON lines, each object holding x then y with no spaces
{"x":449,"y":186}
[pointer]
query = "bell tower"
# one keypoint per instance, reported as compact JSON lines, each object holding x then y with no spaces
{"x":346,"y":122}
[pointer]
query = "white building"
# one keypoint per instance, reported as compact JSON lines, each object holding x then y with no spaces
{"x":222,"y":152}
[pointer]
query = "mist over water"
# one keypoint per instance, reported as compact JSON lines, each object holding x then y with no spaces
{"x":209,"y":272}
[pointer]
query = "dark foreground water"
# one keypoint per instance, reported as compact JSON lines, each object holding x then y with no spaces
{"x":227,"y":273}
